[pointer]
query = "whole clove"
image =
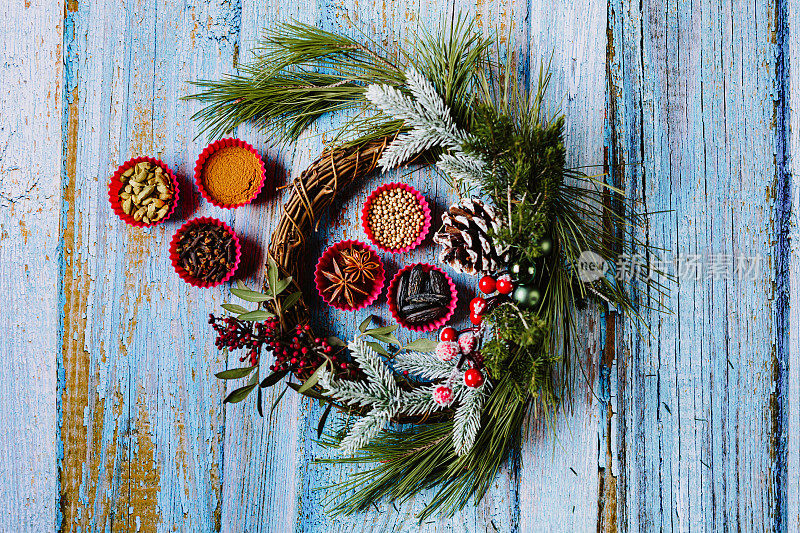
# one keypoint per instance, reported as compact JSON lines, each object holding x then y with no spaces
{"x":206,"y":252}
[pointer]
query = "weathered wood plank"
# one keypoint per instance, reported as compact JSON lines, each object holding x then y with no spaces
{"x":692,"y":115}
{"x":30,"y":148}
{"x":788,"y":26}
{"x":141,"y":410}
{"x":562,"y":463}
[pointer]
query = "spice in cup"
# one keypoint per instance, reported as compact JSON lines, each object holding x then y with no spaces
{"x":395,"y":218}
{"x":232,"y":175}
{"x":206,"y":252}
{"x":147,"y":192}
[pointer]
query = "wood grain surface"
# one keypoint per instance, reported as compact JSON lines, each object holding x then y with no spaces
{"x":113,"y":419}
{"x":31,"y":82}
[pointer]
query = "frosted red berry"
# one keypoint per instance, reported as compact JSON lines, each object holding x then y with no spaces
{"x":476,"y":319}
{"x":467,"y":342}
{"x":448,"y":334}
{"x":477,"y":306}
{"x":504,"y":285}
{"x":487,"y":285}
{"x":443,"y":395}
{"x":447,"y":350}
{"x":473,"y":378}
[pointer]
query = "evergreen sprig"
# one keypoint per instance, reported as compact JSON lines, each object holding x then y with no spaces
{"x":423,"y":457}
{"x":380,"y":393}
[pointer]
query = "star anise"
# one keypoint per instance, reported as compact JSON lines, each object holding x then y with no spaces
{"x":360,"y":264}
{"x":342,"y":285}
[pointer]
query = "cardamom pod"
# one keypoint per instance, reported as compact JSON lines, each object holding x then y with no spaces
{"x":126,"y":206}
{"x":137,"y":216}
{"x":128,"y":173}
{"x":144,"y":193}
{"x":162,"y":212}
{"x":145,"y":220}
{"x":151,"y":210}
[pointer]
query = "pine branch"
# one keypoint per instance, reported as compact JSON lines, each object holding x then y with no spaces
{"x":467,"y":420}
{"x":373,"y":366}
{"x":426,"y":113}
{"x":367,"y":428}
{"x":423,"y":365}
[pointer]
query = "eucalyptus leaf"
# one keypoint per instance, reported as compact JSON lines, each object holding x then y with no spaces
{"x":393,"y":340}
{"x":421,"y":345}
{"x":241,"y":285}
{"x":256,"y":316}
{"x":378,"y":348}
{"x":310,"y":392}
{"x":272,"y":275}
{"x":381,"y":338}
{"x":239,"y":394}
{"x":281,"y":285}
{"x":235,"y":373}
{"x":250,"y":296}
{"x":365,"y":324}
{"x":381,"y":331}
{"x":291,"y":300}
{"x":273,"y":378}
{"x":235,"y":309}
{"x":336,"y":341}
{"x":278,"y":399}
{"x":258,"y":404}
{"x":312,"y":379}
{"x":323,"y":419}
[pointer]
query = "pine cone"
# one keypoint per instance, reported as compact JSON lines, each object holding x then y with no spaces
{"x":467,"y":246}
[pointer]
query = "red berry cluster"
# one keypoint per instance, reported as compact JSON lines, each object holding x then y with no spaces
{"x":235,"y":334}
{"x":303,"y":354}
{"x":479,"y":306}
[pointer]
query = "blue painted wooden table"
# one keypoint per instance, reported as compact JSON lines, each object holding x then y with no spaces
{"x":112,"y":419}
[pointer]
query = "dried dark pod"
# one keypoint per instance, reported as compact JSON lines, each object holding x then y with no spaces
{"x":416,"y":279}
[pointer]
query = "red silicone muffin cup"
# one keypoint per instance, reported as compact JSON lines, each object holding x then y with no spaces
{"x":429,"y":326}
{"x":173,"y":253}
{"x":426,"y":213}
{"x":325,"y":261}
{"x":205,"y":154}
{"x":115,"y":186}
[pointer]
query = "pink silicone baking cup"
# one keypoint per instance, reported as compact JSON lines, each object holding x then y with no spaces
{"x":426,"y":213}
{"x":115,"y":186}
{"x":430,"y":326}
{"x":210,"y":149}
{"x":173,"y":253}
{"x":325,"y":261}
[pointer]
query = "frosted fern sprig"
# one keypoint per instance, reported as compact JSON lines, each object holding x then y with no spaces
{"x":461,"y":167}
{"x":367,"y":428}
{"x":424,"y":365}
{"x":373,"y":366}
{"x":380,"y":393}
{"x":467,"y":420}
{"x":426,"y":113}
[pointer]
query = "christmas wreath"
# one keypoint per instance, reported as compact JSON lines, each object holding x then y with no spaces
{"x":447,"y":414}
